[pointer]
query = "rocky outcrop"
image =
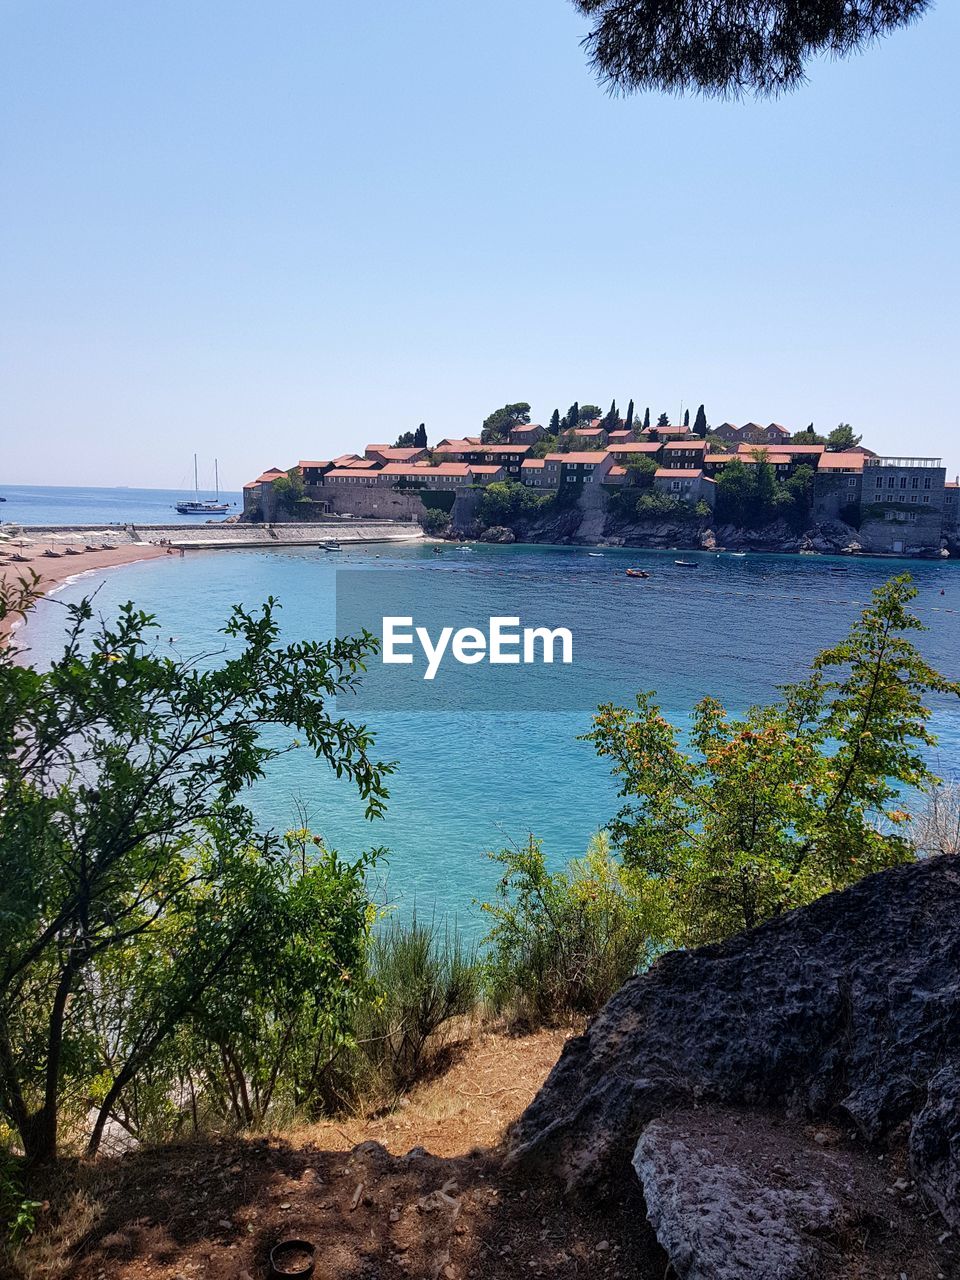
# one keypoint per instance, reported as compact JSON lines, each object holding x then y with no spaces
{"x":846,"y":1009}
{"x":498,"y":533}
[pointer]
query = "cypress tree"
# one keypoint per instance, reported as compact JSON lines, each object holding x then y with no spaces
{"x":663,"y":421}
{"x":555,"y":423}
{"x":420,"y":436}
{"x":628,"y":425}
{"x":686,"y":417}
{"x":573,"y":416}
{"x":612,"y":420}
{"x":700,"y":423}
{"x":646,"y":418}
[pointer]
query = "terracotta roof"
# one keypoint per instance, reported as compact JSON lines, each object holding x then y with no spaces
{"x":394,"y":455}
{"x":484,"y":470}
{"x":345,"y":458}
{"x":791,"y":449}
{"x":720,"y":457}
{"x":270,"y":474}
{"x":776,"y":426}
{"x":443,"y":469}
{"x":617,"y":471}
{"x":688,"y":444}
{"x":339,"y":473}
{"x":620,"y":435}
{"x":301,"y":465}
{"x":587,"y":431}
{"x":532,"y":462}
{"x":455,"y":446}
{"x":674,"y":473}
{"x":578,"y":457}
{"x":840,"y":462}
{"x":500,"y":448}
{"x":636,"y":446}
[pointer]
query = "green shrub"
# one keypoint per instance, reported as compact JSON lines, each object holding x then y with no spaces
{"x":424,"y":977}
{"x":435,"y":521}
{"x":562,"y":943}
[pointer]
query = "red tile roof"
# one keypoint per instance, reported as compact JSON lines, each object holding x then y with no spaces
{"x":674,"y":473}
{"x":442,"y":469}
{"x":301,"y":465}
{"x":339,"y":473}
{"x":636,"y":446}
{"x":485,"y":470}
{"x":840,"y":462}
{"x":577,"y":457}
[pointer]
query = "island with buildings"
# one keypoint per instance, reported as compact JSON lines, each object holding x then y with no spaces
{"x":750,"y":486}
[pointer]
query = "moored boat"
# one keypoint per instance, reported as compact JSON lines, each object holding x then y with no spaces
{"x":637,"y":573}
{"x":687,"y":564}
{"x":203,"y":506}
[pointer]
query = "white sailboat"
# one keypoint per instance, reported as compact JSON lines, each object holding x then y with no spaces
{"x":199,"y":506}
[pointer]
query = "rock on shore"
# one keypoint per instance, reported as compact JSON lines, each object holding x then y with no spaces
{"x":846,"y":1011}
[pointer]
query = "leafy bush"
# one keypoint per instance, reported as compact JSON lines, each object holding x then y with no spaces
{"x":434,"y":521}
{"x":770,"y":811}
{"x":562,"y":943}
{"x":506,"y":500}
{"x":135,"y":887}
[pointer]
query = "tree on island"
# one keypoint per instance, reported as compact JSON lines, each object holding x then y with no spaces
{"x":686,"y":417}
{"x":588,"y":412}
{"x":554,"y":428}
{"x":612,"y":420}
{"x":842,"y":437}
{"x":572,"y":420}
{"x":497,"y":427}
{"x":420,"y":437}
{"x":807,"y":436}
{"x":700,"y":423}
{"x":628,"y":421}
{"x":663,"y":421}
{"x":758,"y":45}
{"x":646,"y":419}
{"x":405,"y":440}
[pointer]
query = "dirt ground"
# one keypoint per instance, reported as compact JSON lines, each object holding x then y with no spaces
{"x":419,"y":1193}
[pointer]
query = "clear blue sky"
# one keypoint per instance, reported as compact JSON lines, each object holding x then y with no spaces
{"x":277,"y":230}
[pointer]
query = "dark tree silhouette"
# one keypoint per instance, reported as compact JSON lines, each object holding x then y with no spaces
{"x":730,"y":48}
{"x":628,"y":424}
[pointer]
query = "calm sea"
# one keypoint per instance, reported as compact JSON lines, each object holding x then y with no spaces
{"x":39,"y":504}
{"x":470,"y":782}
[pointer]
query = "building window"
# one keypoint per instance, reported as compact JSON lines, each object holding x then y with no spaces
{"x":890,"y":483}
{"x":926,"y":482}
{"x":852,"y":481}
{"x":915,"y":482}
{"x":925,"y":498}
{"x":903,"y":482}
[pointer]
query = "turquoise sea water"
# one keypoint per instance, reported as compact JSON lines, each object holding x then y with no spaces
{"x":469,"y":782}
{"x":50,"y":504}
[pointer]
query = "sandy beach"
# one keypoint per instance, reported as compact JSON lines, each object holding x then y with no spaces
{"x":19,"y":557}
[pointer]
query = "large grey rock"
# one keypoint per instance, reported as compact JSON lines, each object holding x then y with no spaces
{"x":727,"y":1203}
{"x":849,"y":1008}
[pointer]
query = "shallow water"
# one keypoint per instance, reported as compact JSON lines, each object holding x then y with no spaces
{"x":469,"y":782}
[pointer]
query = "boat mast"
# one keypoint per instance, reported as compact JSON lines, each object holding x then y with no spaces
{"x":216,"y":478}
{"x":196,"y":482}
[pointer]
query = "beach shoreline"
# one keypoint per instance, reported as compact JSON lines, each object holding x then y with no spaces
{"x":55,"y":571}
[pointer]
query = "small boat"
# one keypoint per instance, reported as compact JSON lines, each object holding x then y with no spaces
{"x":687,"y":564}
{"x":597,"y":555}
{"x":637,"y":573}
{"x":203,"y":507}
{"x":738,"y":555}
{"x":332,"y":546}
